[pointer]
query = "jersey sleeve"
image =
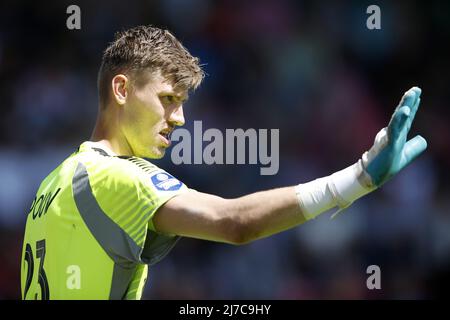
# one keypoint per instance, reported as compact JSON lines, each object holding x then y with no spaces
{"x":128,"y":192}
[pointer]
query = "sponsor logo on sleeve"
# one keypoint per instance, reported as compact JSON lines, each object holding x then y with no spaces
{"x":165,"y":182}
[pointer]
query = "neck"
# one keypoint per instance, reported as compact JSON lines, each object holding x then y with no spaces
{"x":107,"y":133}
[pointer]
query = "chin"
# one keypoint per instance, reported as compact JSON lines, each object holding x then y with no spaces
{"x":158,"y":156}
{"x":155,"y":153}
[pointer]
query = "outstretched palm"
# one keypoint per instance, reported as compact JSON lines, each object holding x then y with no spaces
{"x":391,"y":151}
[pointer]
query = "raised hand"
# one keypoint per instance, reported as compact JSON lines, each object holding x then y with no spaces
{"x":391,"y":151}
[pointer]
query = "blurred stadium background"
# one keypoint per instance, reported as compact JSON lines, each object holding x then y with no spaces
{"x":311,"y":69}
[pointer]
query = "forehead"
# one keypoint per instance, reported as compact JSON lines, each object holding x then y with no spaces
{"x":160,"y":84}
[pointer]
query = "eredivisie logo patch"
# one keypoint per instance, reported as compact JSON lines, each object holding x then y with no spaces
{"x":165,"y":182}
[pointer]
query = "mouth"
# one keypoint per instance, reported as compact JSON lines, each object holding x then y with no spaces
{"x":165,"y":134}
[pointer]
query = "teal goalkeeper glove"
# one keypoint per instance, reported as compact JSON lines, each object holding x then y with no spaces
{"x":391,"y":152}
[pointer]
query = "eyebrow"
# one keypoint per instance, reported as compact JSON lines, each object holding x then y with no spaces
{"x":177,"y":96}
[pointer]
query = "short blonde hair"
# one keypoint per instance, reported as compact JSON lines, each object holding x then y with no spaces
{"x":149,"y":48}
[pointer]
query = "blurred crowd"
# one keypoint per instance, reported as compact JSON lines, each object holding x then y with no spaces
{"x":312,"y":70}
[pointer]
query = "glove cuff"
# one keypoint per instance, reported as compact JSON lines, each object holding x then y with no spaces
{"x":350,"y":184}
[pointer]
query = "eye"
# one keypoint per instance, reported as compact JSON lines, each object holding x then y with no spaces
{"x":167,"y":99}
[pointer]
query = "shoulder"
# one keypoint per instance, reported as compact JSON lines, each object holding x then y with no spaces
{"x":114,"y":172}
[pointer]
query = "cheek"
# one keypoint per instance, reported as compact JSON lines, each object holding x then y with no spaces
{"x":144,"y":128}
{"x":145,"y":113}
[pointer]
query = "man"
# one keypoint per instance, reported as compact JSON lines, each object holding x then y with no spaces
{"x":105,"y":214}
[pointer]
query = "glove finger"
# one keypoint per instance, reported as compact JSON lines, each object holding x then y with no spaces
{"x":409,"y":98}
{"x":397,"y":123}
{"x":413,"y":113}
{"x":413,"y":148}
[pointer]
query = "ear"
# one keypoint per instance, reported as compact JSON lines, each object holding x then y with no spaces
{"x":120,"y":85}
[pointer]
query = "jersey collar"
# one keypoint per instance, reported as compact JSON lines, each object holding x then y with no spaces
{"x":97,"y":146}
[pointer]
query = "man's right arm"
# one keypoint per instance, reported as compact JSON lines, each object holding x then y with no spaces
{"x":261,"y":214}
{"x":236,"y":221}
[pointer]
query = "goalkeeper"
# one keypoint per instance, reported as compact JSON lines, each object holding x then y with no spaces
{"x":105,"y":214}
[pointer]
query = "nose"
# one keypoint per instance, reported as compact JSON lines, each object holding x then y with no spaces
{"x":177,"y":117}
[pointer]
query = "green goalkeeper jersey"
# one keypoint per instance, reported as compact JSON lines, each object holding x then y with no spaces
{"x":89,"y":232}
